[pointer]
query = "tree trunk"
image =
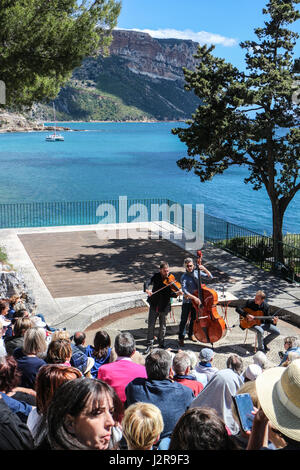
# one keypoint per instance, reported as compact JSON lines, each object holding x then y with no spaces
{"x":277,"y":213}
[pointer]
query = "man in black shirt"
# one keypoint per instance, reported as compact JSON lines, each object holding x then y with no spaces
{"x":259,"y":304}
{"x":160,"y":305}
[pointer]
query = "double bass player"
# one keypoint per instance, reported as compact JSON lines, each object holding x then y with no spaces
{"x":189,"y":284}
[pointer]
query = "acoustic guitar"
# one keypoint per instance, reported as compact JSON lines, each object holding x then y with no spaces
{"x":246,"y":323}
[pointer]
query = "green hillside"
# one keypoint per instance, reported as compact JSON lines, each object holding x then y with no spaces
{"x":106,"y":89}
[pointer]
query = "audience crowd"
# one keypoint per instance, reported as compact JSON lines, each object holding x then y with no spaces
{"x":59,"y":393}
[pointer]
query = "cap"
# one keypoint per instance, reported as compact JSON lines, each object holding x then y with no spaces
{"x":206,"y":354}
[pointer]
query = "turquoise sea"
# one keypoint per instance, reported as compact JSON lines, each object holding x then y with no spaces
{"x":136,"y":160}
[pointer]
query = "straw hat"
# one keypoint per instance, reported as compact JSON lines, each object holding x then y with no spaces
{"x":278,"y":391}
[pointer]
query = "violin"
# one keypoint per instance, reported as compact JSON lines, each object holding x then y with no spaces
{"x":172,"y":283}
{"x":209,"y":326}
{"x":169,"y":281}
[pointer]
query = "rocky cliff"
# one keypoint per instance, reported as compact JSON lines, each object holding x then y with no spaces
{"x":141,"y":79}
{"x":157,"y":58}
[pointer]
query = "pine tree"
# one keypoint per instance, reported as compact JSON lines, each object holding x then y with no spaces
{"x":42,"y":41}
{"x":250,"y":118}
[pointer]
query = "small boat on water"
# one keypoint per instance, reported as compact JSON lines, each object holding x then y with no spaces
{"x":55,"y":137}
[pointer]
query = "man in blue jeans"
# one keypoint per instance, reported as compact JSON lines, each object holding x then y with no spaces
{"x":189,"y":284}
{"x":259,"y":304}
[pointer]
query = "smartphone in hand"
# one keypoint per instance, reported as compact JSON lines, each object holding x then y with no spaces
{"x":244,"y":407}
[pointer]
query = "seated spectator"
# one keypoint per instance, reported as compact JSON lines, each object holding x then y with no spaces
{"x":20,"y":326}
{"x":9,"y":379}
{"x":181,"y":367}
{"x":82,"y":414}
{"x":38,"y":321}
{"x":290,"y":344}
{"x":28,"y":358}
{"x":235,"y":363}
{"x":79,"y":338}
{"x":59,"y":352}
{"x":292,"y":355}
{"x":101,"y":351}
{"x":79,"y":358}
{"x":243,"y":436}
{"x":205,"y":370}
{"x":260,"y":358}
{"x":2,"y":345}
{"x":48,"y":379}
{"x":251,"y":372}
{"x":4,"y":308}
{"x":119,"y":373}
{"x":278,"y":391}
{"x":171,"y":398}
{"x":5,"y":320}
{"x":201,"y":429}
{"x":12,"y":301}
{"x":142,"y":425}
{"x":14,"y":434}
{"x":219,"y":391}
{"x":60,"y":334}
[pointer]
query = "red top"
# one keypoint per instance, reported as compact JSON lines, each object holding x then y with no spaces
{"x":196,"y":386}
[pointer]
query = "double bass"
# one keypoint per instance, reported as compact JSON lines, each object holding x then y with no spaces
{"x":209,"y":326}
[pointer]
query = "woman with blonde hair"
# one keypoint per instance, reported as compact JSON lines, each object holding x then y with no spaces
{"x":142,"y":425}
{"x":29,"y":356}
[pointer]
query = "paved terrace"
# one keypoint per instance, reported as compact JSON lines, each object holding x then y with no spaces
{"x":82,"y":274}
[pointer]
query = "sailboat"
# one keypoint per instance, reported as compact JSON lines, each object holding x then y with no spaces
{"x":55,"y":137}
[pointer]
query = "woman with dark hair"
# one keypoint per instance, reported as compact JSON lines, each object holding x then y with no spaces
{"x":48,"y":379}
{"x":101,"y":351}
{"x":201,"y":429}
{"x":59,"y":352}
{"x":19,"y":402}
{"x":82,"y":414}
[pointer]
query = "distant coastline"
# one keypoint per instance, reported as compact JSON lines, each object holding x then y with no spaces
{"x":43,"y":128}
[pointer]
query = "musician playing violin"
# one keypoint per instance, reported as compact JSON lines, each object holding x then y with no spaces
{"x":189,"y":283}
{"x":160,"y":304}
{"x":259,"y":304}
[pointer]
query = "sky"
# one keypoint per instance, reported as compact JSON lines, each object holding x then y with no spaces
{"x":224,"y":23}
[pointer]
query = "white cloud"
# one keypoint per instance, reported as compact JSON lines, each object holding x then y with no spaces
{"x":202,"y":37}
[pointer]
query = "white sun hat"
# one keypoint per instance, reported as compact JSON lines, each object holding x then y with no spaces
{"x":278,"y":391}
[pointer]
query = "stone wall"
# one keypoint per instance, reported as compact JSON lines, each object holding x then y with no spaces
{"x":13,"y":283}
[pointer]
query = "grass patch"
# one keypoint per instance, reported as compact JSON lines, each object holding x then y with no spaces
{"x":3,"y":255}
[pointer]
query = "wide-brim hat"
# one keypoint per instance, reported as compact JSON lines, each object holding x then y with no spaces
{"x":89,"y":364}
{"x":278,"y":391}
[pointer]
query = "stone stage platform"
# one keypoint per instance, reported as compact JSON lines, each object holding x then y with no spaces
{"x":81,"y":274}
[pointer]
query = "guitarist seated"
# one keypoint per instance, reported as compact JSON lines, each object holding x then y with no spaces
{"x":250,"y":318}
